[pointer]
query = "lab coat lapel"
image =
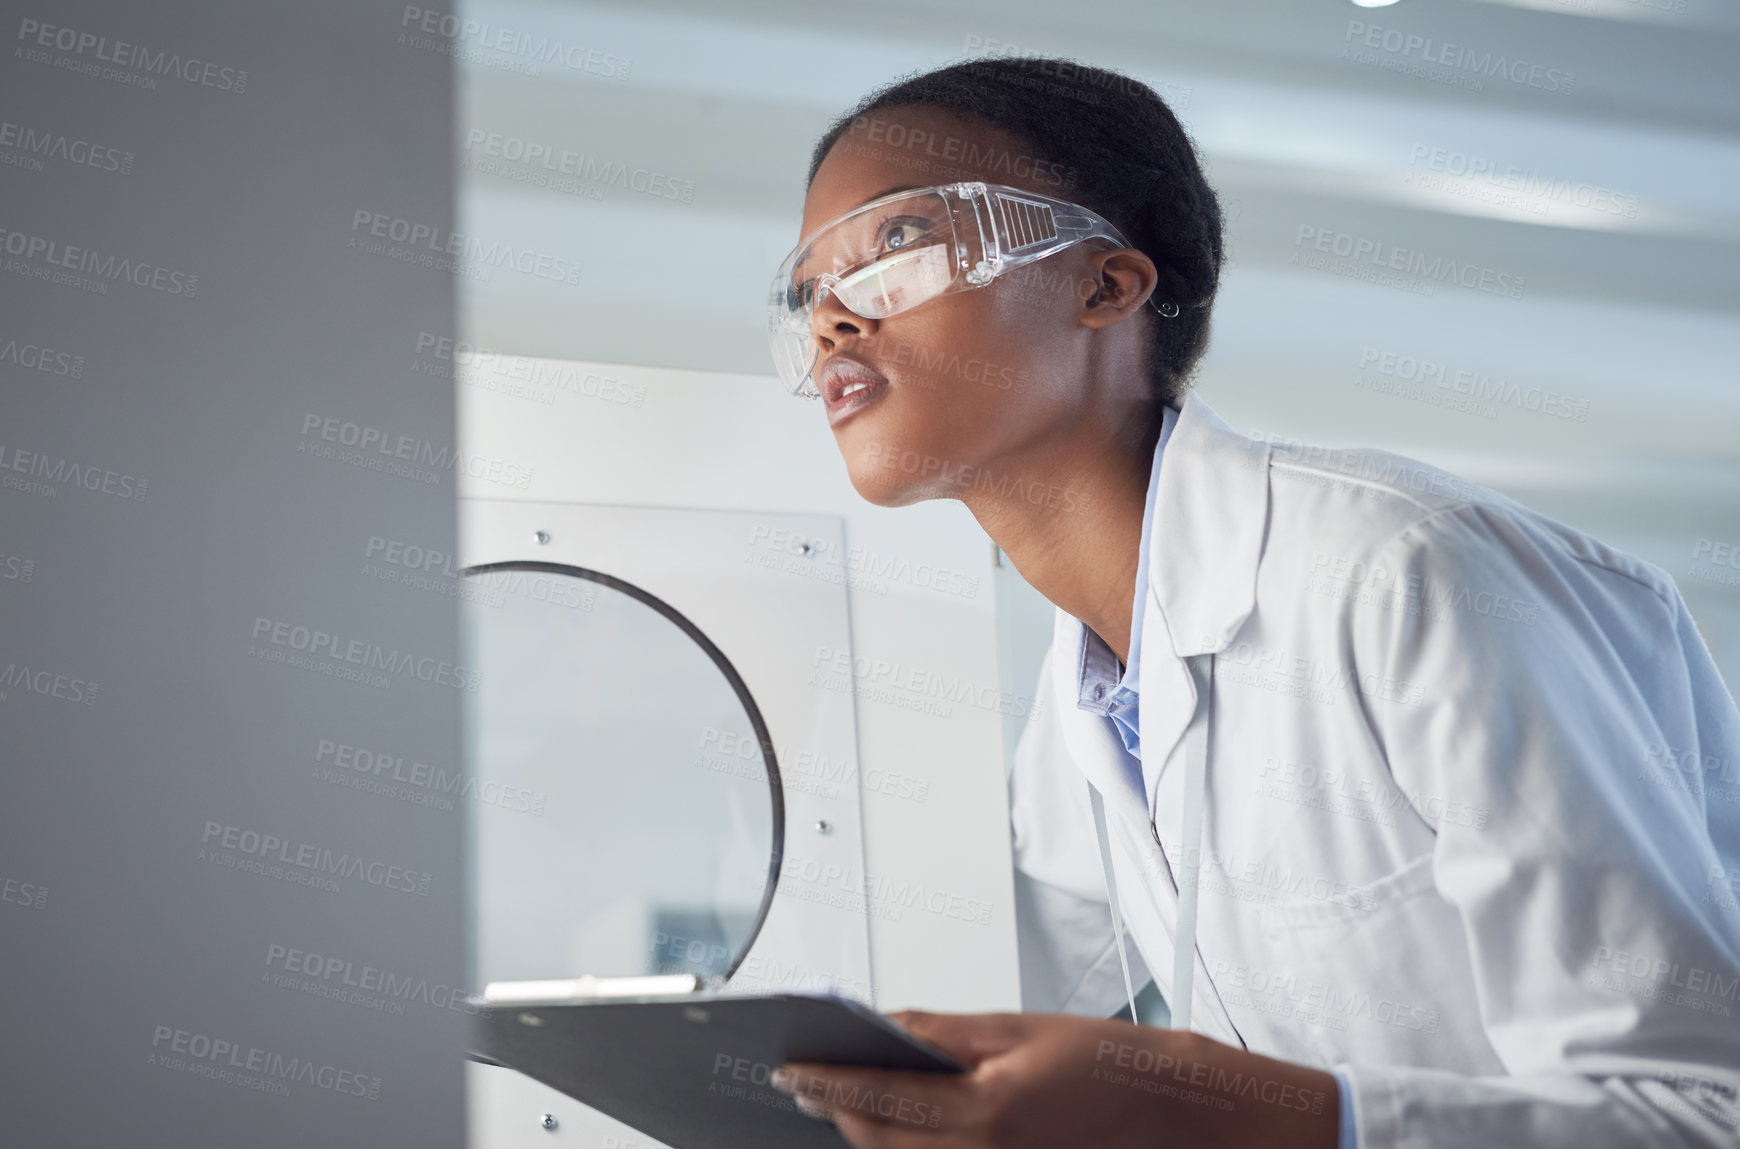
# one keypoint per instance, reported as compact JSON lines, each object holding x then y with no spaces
{"x":1211,"y":511}
{"x":1099,"y":754}
{"x":1168,"y":700}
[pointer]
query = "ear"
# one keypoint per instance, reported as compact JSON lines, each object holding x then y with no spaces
{"x":1123,"y":278}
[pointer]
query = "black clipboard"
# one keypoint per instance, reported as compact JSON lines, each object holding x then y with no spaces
{"x":692,"y":1071}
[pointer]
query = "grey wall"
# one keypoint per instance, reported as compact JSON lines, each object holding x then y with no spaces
{"x":190,"y":611}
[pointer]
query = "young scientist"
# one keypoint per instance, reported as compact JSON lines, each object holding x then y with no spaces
{"x":1451,"y":847}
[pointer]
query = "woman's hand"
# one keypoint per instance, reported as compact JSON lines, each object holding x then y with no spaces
{"x":1044,"y":1081}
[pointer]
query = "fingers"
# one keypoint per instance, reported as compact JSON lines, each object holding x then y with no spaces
{"x":916,"y":1102}
{"x":969,"y":1037}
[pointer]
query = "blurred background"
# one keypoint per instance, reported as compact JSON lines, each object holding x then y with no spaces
{"x":1580,"y":155}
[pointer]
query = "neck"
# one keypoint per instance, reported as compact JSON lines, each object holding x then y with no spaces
{"x":1076,"y":536}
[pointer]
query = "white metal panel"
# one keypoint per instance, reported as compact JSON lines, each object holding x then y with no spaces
{"x":769,"y":620}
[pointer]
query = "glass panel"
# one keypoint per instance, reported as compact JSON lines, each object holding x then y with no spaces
{"x":640,"y":833}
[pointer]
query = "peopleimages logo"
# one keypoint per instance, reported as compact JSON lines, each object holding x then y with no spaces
{"x":860,"y":560}
{"x":29,"y":894}
{"x":33,"y":144}
{"x":875,"y":677}
{"x":317,"y":643}
{"x":313,"y":860}
{"x":16,"y":569}
{"x":34,"y":35}
{"x":965,"y":476}
{"x":559,"y":161}
{"x":1464,"y":67}
{"x":1508,"y":185}
{"x":1283,"y":992}
{"x":435,"y":781}
{"x":1412,"y":592}
{"x":1477,"y":385}
{"x":457,"y":34}
{"x":969,"y":153}
{"x":356,"y":983}
{"x":36,"y":357}
{"x":53,"y":469}
{"x":1358,"y":250}
{"x":48,"y":683}
{"x":378,"y":449}
{"x":216,"y":1057}
{"x":426,"y":240}
{"x":40,"y":249}
{"x":1213,"y":1084}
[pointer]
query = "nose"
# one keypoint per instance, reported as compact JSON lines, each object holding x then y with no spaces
{"x":832,"y":322}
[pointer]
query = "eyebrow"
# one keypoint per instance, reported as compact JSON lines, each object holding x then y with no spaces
{"x":891,"y":191}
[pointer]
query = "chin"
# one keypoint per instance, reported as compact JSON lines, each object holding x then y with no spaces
{"x":885,"y":487}
{"x":878,"y":487}
{"x":895,"y":469}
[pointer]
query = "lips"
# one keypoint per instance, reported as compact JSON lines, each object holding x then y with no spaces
{"x":850,"y":385}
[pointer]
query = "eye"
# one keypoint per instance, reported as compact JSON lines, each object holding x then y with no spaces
{"x":901,"y":231}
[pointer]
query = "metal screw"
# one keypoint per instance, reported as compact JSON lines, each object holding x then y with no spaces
{"x":806,"y":549}
{"x":548,"y":1121}
{"x":543,"y":537}
{"x":824,"y":827}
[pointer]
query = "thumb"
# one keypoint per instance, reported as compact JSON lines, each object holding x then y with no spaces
{"x":969,"y":1037}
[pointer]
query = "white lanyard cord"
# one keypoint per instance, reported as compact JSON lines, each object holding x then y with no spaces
{"x":1196,"y":752}
{"x":1112,"y":894}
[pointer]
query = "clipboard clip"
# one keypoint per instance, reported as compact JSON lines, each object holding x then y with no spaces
{"x":587,"y":987}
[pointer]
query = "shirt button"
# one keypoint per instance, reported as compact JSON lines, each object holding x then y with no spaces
{"x":1100,"y":690}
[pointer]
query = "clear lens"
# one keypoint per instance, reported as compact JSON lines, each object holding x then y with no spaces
{"x":869,"y":234}
{"x":794,"y":354}
{"x":880,"y":260}
{"x":901,"y":281}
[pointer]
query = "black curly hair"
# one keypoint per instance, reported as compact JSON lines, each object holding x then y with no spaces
{"x":1127,"y":157}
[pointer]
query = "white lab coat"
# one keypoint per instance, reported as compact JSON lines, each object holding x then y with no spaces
{"x":1472,"y":826}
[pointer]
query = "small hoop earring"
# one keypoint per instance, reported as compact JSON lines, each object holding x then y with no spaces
{"x":1169,"y":309}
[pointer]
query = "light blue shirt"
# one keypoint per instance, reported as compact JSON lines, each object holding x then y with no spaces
{"x":1348,"y":1140}
{"x":1105,"y":690}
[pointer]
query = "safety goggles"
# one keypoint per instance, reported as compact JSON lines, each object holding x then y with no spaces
{"x":908,"y":247}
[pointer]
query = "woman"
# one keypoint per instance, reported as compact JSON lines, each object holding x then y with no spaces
{"x":1418,"y":806}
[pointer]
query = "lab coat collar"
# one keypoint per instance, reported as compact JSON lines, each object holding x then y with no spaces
{"x":1209,"y":519}
{"x":1210,"y":515}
